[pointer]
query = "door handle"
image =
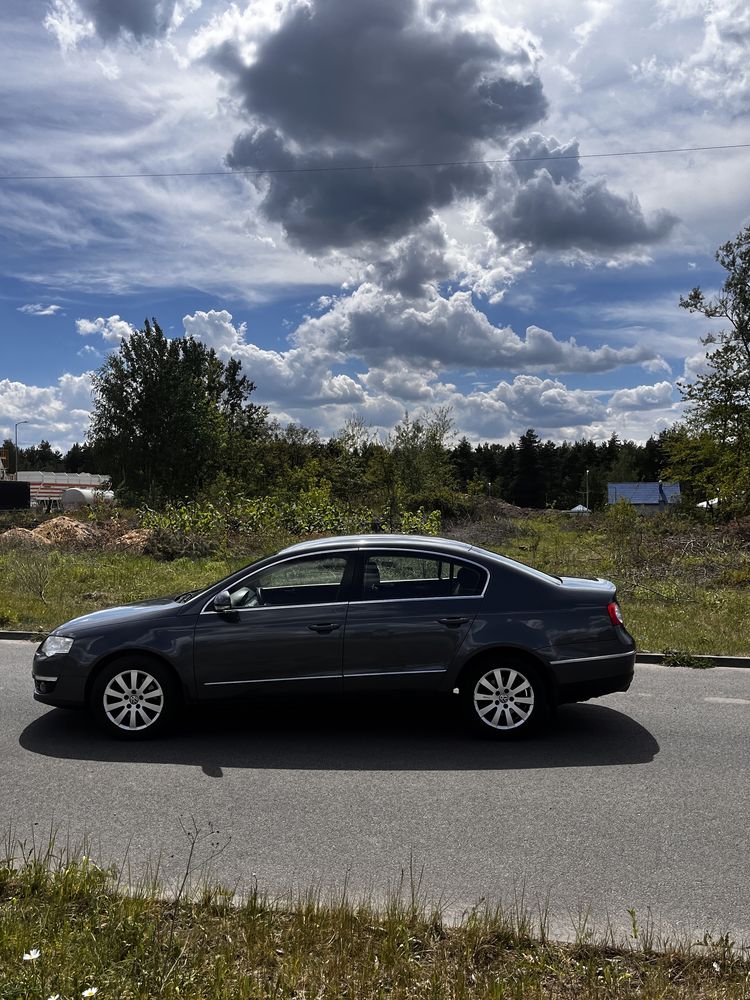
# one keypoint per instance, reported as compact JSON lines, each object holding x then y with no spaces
{"x":325,"y":628}
{"x":453,"y":622}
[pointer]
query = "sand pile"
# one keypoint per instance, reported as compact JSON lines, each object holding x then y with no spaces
{"x":65,"y":531}
{"x":134,"y":541}
{"x":23,"y":537}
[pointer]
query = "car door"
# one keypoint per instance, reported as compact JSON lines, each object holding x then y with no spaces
{"x":410,"y":612}
{"x":285,"y":630}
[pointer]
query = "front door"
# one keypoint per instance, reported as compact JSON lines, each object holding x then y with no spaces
{"x":285,"y":630}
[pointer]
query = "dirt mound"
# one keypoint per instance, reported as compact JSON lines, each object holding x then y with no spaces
{"x":134,"y":541}
{"x":23,"y":537}
{"x":66,"y":531}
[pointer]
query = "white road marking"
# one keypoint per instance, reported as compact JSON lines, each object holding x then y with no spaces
{"x":730,"y":701}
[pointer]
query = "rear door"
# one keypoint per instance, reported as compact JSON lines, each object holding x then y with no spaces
{"x":410,"y":612}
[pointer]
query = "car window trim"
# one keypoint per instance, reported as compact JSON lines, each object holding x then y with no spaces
{"x":279,"y":607}
{"x":435,"y":555}
{"x":296,"y":556}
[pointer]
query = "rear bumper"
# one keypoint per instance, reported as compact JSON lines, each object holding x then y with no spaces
{"x":594,"y":688}
{"x":592,"y":676}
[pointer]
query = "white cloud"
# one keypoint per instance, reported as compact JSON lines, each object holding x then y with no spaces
{"x":447,"y":331}
{"x":643,"y":397}
{"x":297,"y":377}
{"x":66,"y":22}
{"x":718,"y":71}
{"x":58,"y":413}
{"x":695,"y":366}
{"x":37,"y":309}
{"x":215,"y":329}
{"x":112,"y":329}
{"x":301,"y":382}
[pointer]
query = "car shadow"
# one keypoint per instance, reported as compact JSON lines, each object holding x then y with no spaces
{"x":363,"y":734}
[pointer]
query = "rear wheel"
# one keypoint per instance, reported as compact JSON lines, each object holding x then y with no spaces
{"x":134,"y":698}
{"x":504,"y":699}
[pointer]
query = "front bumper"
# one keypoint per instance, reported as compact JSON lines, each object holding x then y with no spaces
{"x":58,"y":680}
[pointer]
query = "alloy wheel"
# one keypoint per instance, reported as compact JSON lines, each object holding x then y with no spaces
{"x":133,"y":700}
{"x":504,"y":699}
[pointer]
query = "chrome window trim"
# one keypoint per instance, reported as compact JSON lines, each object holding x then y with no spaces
{"x":587,"y":659}
{"x":423,"y":553}
{"x":279,"y":607}
{"x":430,"y":554}
{"x":399,"y":600}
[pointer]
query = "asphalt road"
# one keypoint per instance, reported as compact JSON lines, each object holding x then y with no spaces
{"x":638,"y":800}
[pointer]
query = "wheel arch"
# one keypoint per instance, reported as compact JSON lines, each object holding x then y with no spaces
{"x":519,"y":654}
{"x":146,"y":655}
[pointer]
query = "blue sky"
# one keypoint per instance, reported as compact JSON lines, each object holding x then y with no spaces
{"x":538,"y":293}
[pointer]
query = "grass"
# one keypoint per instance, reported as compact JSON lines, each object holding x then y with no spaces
{"x":684,"y":587}
{"x":68,"y":927}
{"x":42,"y":589}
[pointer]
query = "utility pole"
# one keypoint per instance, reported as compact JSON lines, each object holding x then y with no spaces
{"x":587,"y":489}
{"x":16,"y":444}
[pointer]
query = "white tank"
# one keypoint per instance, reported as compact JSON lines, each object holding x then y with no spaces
{"x":76,"y":497}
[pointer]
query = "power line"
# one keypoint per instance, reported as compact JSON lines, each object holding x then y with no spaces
{"x":366,"y":167}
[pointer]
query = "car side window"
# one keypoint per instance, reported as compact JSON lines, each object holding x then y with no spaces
{"x":392,"y":576}
{"x":309,"y":580}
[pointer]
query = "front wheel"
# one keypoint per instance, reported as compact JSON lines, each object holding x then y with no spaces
{"x":134,"y":698}
{"x":504,"y":700}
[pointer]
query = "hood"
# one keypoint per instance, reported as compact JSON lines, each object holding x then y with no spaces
{"x":160,"y":607}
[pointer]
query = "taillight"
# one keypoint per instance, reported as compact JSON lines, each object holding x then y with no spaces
{"x":615,"y":615}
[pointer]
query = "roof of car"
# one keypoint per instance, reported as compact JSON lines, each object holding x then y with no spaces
{"x":443,"y":545}
{"x":406,"y":541}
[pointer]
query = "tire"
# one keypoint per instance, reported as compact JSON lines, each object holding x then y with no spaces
{"x":134,"y":698}
{"x":504,"y":699}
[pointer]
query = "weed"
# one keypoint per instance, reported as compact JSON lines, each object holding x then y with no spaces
{"x":679,"y":658}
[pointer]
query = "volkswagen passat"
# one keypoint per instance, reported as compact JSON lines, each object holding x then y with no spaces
{"x":352,"y":614}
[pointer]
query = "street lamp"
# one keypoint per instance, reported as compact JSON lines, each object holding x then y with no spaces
{"x":15,"y":443}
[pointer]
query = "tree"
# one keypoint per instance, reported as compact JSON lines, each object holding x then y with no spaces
{"x":168,"y":415}
{"x":717,"y":426}
{"x":80,"y":458}
{"x":40,"y":458}
{"x":528,"y":485}
{"x":464,"y":463}
{"x":422,"y":462}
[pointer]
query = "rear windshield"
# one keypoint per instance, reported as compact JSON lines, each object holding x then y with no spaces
{"x":514,"y":564}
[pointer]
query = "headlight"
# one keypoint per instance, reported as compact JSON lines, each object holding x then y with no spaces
{"x":54,"y":644}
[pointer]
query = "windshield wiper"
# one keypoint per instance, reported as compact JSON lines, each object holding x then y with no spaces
{"x":183,"y":598}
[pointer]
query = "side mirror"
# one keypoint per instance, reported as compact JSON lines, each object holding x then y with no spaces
{"x":222,"y":601}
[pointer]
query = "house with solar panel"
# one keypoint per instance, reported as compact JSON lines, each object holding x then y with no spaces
{"x":647,"y":498}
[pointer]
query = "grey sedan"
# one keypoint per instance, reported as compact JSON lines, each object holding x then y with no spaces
{"x":359,"y":613}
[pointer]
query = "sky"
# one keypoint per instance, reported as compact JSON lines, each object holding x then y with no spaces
{"x":379,"y":207}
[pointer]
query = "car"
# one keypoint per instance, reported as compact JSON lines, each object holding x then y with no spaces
{"x":358,"y":613}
